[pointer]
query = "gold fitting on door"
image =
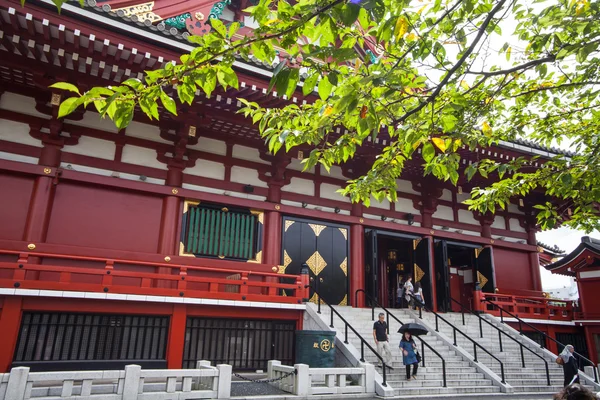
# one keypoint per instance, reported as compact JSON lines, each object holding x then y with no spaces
{"x":320,"y":279}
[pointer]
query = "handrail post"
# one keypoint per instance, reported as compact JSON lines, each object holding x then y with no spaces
{"x":372,"y":311}
{"x":475,"y":352}
{"x":423,"y":353}
{"x":520,"y":326}
{"x":331,"y":320}
{"x":462,"y":309}
{"x":436,"y":324}
{"x":444,"y":371}
{"x":502,"y":372}
{"x":420,"y":312}
{"x":346,"y":335}
{"x":480,"y":328}
{"x":500,"y":340}
{"x":384,"y":377}
{"x":547,"y":373}
{"x":362,"y":351}
{"x":318,"y":304}
{"x":387,"y":319}
{"x":454,"y":333}
{"x":522,"y":355}
{"x":501,"y":315}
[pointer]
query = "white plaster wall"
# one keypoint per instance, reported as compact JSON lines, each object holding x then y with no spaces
{"x":207,"y":169}
{"x":334,"y":172}
{"x":297,"y":165}
{"x":204,"y":189}
{"x":131,"y":177}
{"x":93,"y":120}
{"x":17,"y":132}
{"x":245,"y":196}
{"x":384,"y":205}
{"x":145,"y":131}
{"x":444,"y":212}
{"x":330,"y":192}
{"x":513,"y":208}
{"x":248,"y":154}
{"x":405,"y":186}
{"x":300,"y":186}
{"x":92,"y":147}
{"x":499,"y":222}
{"x":18,"y":158}
{"x":515,"y":225}
{"x":210,"y":146}
{"x":460,"y":197}
{"x":406,"y":206}
{"x":20,"y":104}
{"x":466,"y":217}
{"x":246,"y":176}
{"x":446,"y":195}
{"x":86,"y":169}
{"x":141,"y":156}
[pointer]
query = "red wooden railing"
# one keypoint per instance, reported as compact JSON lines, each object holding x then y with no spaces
{"x":49,"y":271}
{"x":530,"y":307}
{"x":587,"y":316}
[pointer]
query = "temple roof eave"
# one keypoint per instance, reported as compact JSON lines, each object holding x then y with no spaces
{"x":577,"y":258}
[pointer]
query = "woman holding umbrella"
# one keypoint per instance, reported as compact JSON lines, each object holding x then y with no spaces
{"x":410,"y":356}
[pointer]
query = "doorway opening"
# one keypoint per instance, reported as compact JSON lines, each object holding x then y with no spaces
{"x":459,"y":266}
{"x":391,"y":257}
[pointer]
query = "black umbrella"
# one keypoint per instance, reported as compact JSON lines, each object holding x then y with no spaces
{"x":414,"y":329}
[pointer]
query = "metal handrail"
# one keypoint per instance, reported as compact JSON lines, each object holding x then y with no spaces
{"x":500,"y":332}
{"x":502,"y":310}
{"x":388,"y":313}
{"x":347,"y":325}
{"x":454,"y":330}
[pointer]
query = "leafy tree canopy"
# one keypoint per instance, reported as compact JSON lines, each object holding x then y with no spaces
{"x":430,"y":75}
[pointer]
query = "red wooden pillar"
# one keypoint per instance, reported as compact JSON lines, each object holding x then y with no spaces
{"x":10,"y":322}
{"x":176,"y":341}
{"x":357,"y":262}
{"x":40,"y":207}
{"x":433,"y":274}
{"x":272,"y":238}
{"x":551,"y":345}
{"x":534,"y":257}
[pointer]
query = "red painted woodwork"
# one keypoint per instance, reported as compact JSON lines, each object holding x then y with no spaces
{"x":176,"y":340}
{"x":588,"y":295}
{"x":125,"y":276}
{"x":357,"y":261}
{"x":513,"y":270}
{"x":272,"y":238}
{"x":539,"y":308}
{"x":171,"y":213}
{"x":536,"y":276}
{"x":16,"y":192}
{"x":104,"y":218}
{"x":38,"y":216}
{"x":456,"y":288}
{"x":10,"y":321}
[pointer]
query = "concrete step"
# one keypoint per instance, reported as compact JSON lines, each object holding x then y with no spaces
{"x":419,"y":391}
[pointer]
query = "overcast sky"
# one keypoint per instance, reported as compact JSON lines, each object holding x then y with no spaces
{"x":567,"y":240}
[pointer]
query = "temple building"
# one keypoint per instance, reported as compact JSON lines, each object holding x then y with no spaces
{"x":174,"y":241}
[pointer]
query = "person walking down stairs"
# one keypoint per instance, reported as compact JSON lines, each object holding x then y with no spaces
{"x":409,"y":356}
{"x":382,"y":341}
{"x":569,"y":364}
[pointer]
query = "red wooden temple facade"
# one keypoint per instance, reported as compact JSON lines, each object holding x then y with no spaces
{"x":160,"y":241}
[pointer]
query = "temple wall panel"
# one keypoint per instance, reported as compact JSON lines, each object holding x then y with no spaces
{"x":588,"y":293}
{"x":18,"y":103}
{"x":141,"y":156}
{"x":512,"y":270}
{"x":247,"y":177}
{"x":329,"y":191}
{"x":444,"y":212}
{"x":144,"y":131}
{"x":384,"y":205}
{"x":516,"y":226}
{"x":446,"y":195}
{"x":300,"y":186}
{"x":405,"y":186}
{"x":334,"y":172}
{"x":406,"y":206}
{"x":499,"y":222}
{"x":513,"y":208}
{"x":297,"y":165}
{"x":467,"y":217}
{"x":248,"y":154}
{"x":89,"y":146}
{"x":104,"y":218}
{"x":17,"y":132}
{"x":16,"y":192}
{"x":207,"y":169}
{"x":210,"y":146}
{"x":94,"y":121}
{"x":18,"y":157}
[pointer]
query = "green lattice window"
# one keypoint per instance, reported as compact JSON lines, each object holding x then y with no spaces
{"x":223,"y":232}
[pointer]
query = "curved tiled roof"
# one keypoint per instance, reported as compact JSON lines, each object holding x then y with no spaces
{"x":552,"y":249}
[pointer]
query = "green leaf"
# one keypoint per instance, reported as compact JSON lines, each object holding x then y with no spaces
{"x":325,"y":88}
{"x":292,"y":82}
{"x":168,"y":103}
{"x":219,"y":27}
{"x":66,"y":86}
{"x":349,"y":13}
{"x":68,"y":106}
{"x":310,"y":83}
{"x":227,"y":77}
{"x":428,"y":152}
{"x":233,"y":28}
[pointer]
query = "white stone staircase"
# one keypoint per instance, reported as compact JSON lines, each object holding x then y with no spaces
{"x":529,"y":379}
{"x":462,"y":377}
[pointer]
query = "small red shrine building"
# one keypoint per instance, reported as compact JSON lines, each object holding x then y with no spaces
{"x":169,"y":242}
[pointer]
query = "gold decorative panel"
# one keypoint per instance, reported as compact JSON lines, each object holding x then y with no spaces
{"x":314,"y":299}
{"x":317,"y":228}
{"x":344,"y":266}
{"x":344,"y":232}
{"x":287,"y":260}
{"x":478,"y":252}
{"x":419,"y":274}
{"x":288,"y":223}
{"x":316,"y":263}
{"x":416,"y":243}
{"x":482,"y":279}
{"x":344,"y":302}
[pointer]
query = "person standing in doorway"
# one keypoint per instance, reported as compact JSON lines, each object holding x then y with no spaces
{"x":409,"y":355}
{"x":382,"y":341}
{"x":419,"y":303}
{"x":399,"y":295}
{"x":408,"y":290}
{"x":569,"y":365}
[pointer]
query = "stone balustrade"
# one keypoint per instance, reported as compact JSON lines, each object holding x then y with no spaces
{"x":133,"y":383}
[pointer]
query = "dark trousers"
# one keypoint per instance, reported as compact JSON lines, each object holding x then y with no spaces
{"x":415,"y":368}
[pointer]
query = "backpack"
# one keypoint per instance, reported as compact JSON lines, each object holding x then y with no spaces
{"x":560,"y":361}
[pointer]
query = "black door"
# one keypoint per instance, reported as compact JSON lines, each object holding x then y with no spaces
{"x":371,"y":266}
{"x":324,"y":248}
{"x":442,"y":276}
{"x":422,"y":268}
{"x":485,"y":269}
